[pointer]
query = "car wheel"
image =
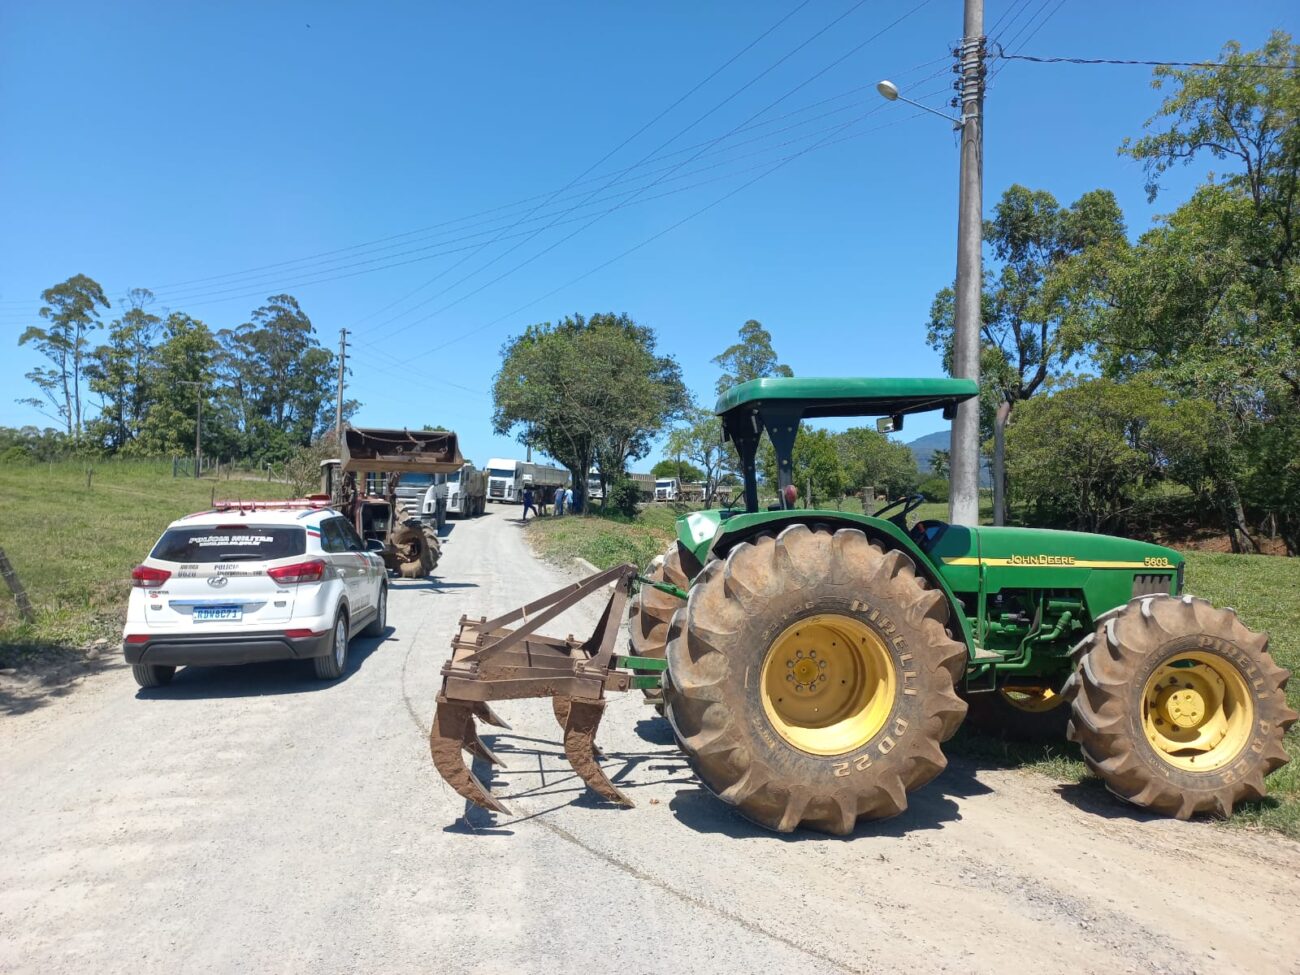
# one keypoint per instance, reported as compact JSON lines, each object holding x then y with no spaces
{"x":379,"y":624}
{"x":331,"y":666}
{"x":152,"y":675}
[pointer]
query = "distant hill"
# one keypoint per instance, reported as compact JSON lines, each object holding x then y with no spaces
{"x":923,"y":447}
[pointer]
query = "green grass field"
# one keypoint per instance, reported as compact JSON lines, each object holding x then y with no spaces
{"x":1265,"y":591}
{"x":74,"y":547}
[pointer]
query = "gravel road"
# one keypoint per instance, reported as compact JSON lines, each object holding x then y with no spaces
{"x":252,"y":819}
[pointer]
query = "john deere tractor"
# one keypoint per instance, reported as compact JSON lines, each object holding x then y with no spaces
{"x":813,"y":662}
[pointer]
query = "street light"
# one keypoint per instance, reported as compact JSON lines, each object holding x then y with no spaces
{"x":889,"y":91}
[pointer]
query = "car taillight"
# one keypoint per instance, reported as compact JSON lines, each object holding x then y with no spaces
{"x":302,"y":634}
{"x":148,"y":577}
{"x":137,"y":638}
{"x":299,"y":572}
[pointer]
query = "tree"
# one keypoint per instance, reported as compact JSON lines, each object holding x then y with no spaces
{"x":279,"y":383}
{"x":680,"y":469}
{"x":182,"y":370}
{"x":71,"y":308}
{"x":814,"y":463}
{"x":870,"y":459}
{"x":941,"y":464}
{"x":1207,"y":299}
{"x":583,"y":386}
{"x":121,"y":372}
{"x":1028,"y":296}
{"x":699,"y":441}
{"x":1085,"y":455}
{"x":751,"y":358}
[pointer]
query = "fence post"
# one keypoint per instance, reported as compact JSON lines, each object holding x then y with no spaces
{"x":90,"y":472}
{"x":16,"y":587}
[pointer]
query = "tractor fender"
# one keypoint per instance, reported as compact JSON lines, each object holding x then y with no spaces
{"x":742,"y":528}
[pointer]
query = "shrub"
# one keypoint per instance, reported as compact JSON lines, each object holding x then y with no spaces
{"x":622,"y":497}
{"x":935,"y":489}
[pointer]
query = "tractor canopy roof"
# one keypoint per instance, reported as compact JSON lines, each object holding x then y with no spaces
{"x":846,"y":397}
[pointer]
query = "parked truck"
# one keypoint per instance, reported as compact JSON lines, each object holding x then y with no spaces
{"x":508,"y":478}
{"x":668,"y":489}
{"x":466,"y":492}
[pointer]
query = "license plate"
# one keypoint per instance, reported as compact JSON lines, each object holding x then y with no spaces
{"x":205,"y":614}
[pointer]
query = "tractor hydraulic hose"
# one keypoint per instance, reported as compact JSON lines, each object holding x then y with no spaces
{"x":667,"y":587}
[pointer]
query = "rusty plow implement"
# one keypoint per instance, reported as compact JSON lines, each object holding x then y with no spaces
{"x":506,"y":659}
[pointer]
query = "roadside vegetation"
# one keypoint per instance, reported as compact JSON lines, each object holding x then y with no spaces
{"x":73,"y":546}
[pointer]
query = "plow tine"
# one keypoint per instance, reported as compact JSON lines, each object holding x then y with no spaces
{"x":453,"y":725}
{"x":583,"y":719}
{"x":475,"y":746}
{"x":560,"y":705}
{"x":488,"y":716}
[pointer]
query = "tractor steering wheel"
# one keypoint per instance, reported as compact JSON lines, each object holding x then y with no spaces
{"x":907,"y":503}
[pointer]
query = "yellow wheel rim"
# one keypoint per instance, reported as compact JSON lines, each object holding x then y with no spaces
{"x":828,"y":684}
{"x":1035,"y":700}
{"x":1197,"y":712}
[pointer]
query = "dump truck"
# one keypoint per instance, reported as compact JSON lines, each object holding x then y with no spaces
{"x":507,"y":479}
{"x":410,"y":545}
{"x":466,"y":492}
{"x":811,"y":663}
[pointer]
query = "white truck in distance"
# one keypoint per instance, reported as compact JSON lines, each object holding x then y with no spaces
{"x":668,"y":489}
{"x":466,"y":492}
{"x":508,"y":478}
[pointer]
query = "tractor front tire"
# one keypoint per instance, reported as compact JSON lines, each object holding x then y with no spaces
{"x":810,"y":679}
{"x":1178,"y":707}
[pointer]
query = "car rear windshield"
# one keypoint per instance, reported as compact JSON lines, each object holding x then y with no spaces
{"x":230,"y":543}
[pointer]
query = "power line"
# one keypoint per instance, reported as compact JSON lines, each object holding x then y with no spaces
{"x":600,"y":216}
{"x":1022,"y":4}
{"x":1159,"y":64}
{"x":238,"y":292}
{"x":663,"y":145}
{"x":636,"y":247}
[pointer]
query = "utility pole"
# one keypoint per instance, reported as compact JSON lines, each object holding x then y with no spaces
{"x":338,"y":410}
{"x":965,"y":453}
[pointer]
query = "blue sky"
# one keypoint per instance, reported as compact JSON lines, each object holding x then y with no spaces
{"x":211,"y":152}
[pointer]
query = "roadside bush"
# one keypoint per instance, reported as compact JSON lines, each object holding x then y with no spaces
{"x":622,"y":497}
{"x":935,"y":489}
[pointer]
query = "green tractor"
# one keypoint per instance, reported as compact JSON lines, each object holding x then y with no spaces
{"x":813,"y":662}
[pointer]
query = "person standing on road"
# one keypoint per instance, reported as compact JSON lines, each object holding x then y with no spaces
{"x":568,"y":500}
{"x":543,"y":498}
{"x":528,"y":503}
{"x":559,"y":501}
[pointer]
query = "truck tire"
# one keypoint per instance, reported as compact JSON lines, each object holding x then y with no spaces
{"x":152,"y":675}
{"x":1178,"y":707}
{"x":811,"y":679}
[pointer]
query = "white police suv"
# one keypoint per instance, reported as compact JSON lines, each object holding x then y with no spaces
{"x":253,"y":581}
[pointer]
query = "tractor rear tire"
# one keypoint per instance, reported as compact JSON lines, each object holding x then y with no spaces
{"x":792,"y":738}
{"x":1178,"y":707}
{"x":1020,"y":714}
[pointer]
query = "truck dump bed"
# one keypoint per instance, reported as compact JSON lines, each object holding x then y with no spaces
{"x":368,"y":449}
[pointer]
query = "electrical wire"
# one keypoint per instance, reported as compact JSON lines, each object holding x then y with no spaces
{"x":643,"y":243}
{"x":1159,"y":64}
{"x":598,"y":217}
